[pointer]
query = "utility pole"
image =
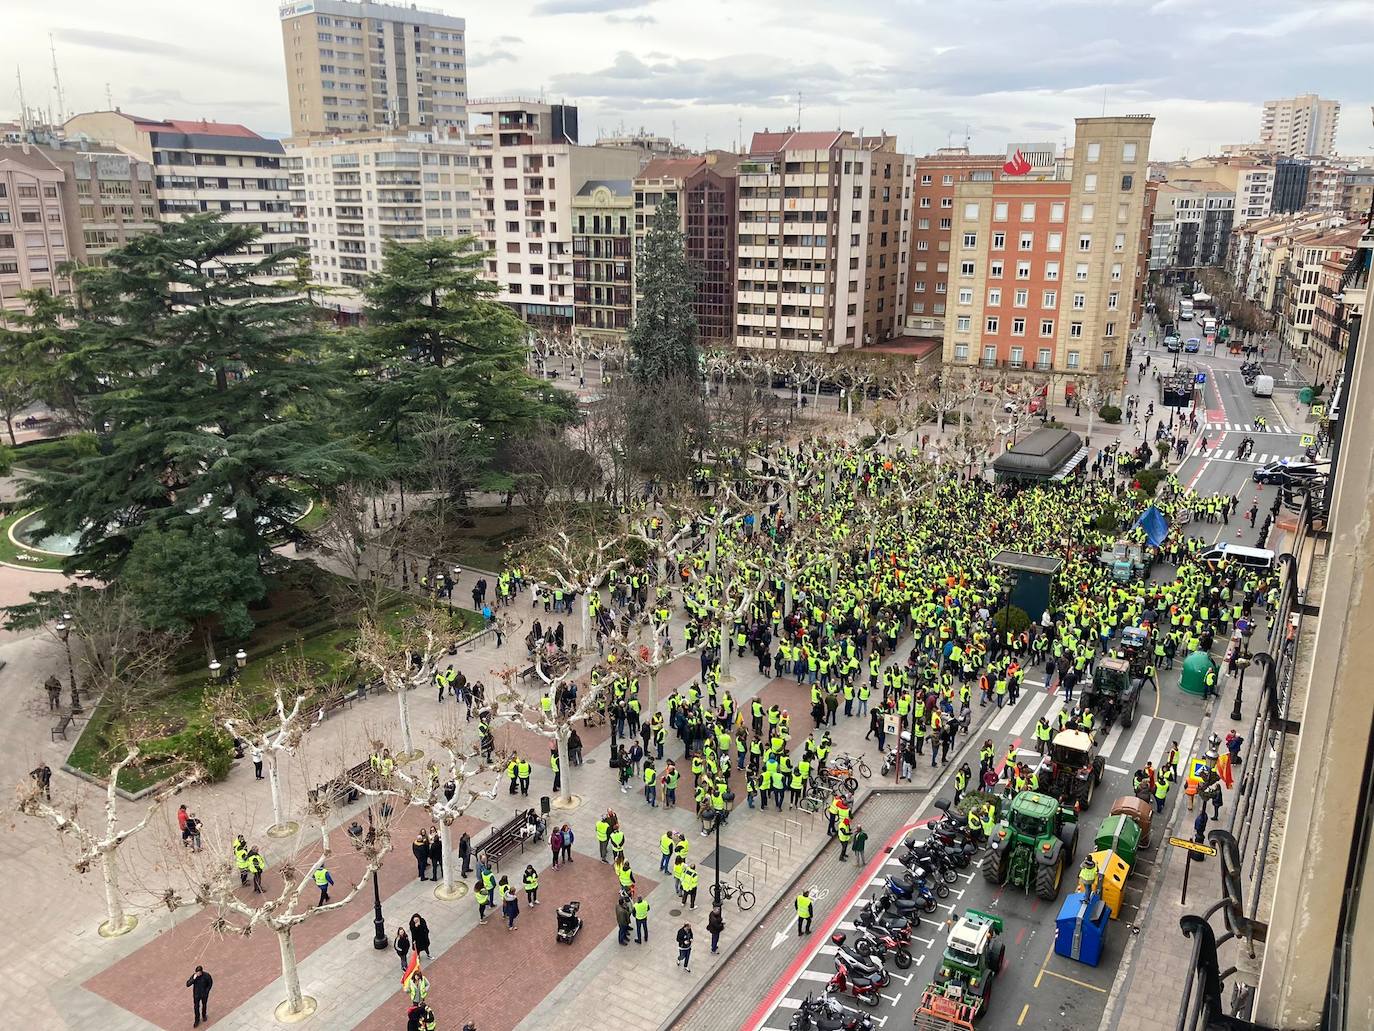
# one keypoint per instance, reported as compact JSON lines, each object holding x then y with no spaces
{"x":57,"y":80}
{"x":23,"y":105}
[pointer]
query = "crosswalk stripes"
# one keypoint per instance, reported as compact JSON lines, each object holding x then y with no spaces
{"x":1243,"y":427}
{"x":1230,"y":455}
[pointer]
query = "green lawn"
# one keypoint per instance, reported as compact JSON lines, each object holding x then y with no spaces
{"x":483,"y":543}
{"x":10,"y":552}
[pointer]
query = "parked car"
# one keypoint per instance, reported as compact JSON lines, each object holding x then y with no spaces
{"x":1192,"y":345}
{"x":1171,"y":344}
{"x":1289,"y":471}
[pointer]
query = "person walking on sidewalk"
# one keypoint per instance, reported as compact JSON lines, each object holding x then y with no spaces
{"x":804,"y":905}
{"x":860,"y":844}
{"x":402,"y":947}
{"x":200,"y":983}
{"x":684,"y":947}
{"x":419,"y":934}
{"x":715,"y":923}
{"x":531,"y":884}
{"x":641,"y":911}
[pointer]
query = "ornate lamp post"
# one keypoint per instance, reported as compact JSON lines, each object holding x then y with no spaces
{"x":64,"y":630}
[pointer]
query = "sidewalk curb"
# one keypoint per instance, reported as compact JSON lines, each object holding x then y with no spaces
{"x":729,"y":951}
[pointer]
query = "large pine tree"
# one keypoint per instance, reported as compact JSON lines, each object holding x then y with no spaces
{"x":214,"y":397}
{"x":663,"y":339}
{"x":438,"y":344}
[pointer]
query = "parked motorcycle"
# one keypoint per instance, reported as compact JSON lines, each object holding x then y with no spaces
{"x":857,"y":976}
{"x":935,"y":859}
{"x":826,"y":1014}
{"x":914,"y":886}
{"x":883,"y":945}
{"x":879,"y":912}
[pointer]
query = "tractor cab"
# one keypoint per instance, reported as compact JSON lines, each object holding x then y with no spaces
{"x":1075,"y":768}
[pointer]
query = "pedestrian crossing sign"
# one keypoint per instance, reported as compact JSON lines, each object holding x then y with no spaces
{"x":1317,"y":411}
{"x":1308,"y":440}
{"x":1197,"y":768}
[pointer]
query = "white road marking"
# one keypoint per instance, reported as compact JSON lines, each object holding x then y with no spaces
{"x":1142,"y":727}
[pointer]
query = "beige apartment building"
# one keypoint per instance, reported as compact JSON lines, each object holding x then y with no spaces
{"x":365,"y":189}
{"x":1044,"y":271}
{"x":1300,"y":126}
{"x":36,"y":227}
{"x":823,"y":221}
{"x":1258,"y":255}
{"x":365,"y":65}
{"x":1301,"y":281}
{"x":528,"y":167}
{"x":199,"y":167}
{"x":603,"y":213}
{"x":114,"y":197}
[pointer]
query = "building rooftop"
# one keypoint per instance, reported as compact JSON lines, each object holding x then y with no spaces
{"x":618,"y":187}
{"x":776,"y":142}
{"x":670,"y":168}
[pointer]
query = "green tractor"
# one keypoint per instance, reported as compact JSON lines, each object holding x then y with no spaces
{"x":1034,"y":845}
{"x":963,"y":983}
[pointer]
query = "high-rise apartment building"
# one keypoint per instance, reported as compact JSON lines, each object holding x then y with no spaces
{"x":1290,"y":185}
{"x":364,"y":189}
{"x":1357,"y":192}
{"x":366,"y":65}
{"x":705,"y":190}
{"x":935,"y":178}
{"x":603,"y":213}
{"x":823,"y":221}
{"x":1300,"y":280}
{"x":114,"y":197}
{"x":36,"y":228}
{"x":1044,"y":272}
{"x":202,"y":166}
{"x":1192,"y":223}
{"x":1300,"y":126}
{"x":527,"y":167}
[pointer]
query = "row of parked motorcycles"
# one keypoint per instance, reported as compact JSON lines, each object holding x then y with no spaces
{"x":884,"y":927}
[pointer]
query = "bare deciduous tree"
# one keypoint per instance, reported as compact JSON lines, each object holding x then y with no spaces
{"x":405,"y":659}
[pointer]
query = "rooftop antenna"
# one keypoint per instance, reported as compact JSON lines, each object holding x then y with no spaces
{"x":967,"y":135}
{"x":1104,"y":103}
{"x":109,"y":100}
{"x":799,"y":110}
{"x":56,"y":78}
{"x":739,"y":135}
{"x":674,"y":125}
{"x":23,"y":104}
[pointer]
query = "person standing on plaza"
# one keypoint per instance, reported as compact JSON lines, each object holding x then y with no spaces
{"x":192,"y":832}
{"x":419,"y":934}
{"x":622,"y":920}
{"x":436,"y":854}
{"x":684,"y":947}
{"x":42,"y":777}
{"x":567,"y":843}
{"x":256,"y":755}
{"x":419,"y":848}
{"x":556,"y":845}
{"x":804,"y":909}
{"x":641,"y":912}
{"x":256,"y":865}
{"x":715,"y":923}
{"x":200,"y":984}
{"x":530,"y":882}
{"x":402,"y":947}
{"x":510,"y":905}
{"x":860,"y":844}
{"x":465,"y":852}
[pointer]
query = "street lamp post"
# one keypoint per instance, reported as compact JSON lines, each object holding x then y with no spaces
{"x":355,"y":831}
{"x":64,"y":630}
{"x":719,"y":819}
{"x":1242,"y":663}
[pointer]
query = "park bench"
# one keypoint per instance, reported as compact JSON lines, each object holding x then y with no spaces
{"x":523,"y":827}
{"x":341,"y":789}
{"x":61,"y":728}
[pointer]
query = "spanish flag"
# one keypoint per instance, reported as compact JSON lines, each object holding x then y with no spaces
{"x":412,"y":970}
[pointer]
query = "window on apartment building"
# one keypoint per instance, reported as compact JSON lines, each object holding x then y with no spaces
{"x":1123,"y":212}
{"x":946,"y":202}
{"x":965,"y":295}
{"x":1075,"y":329}
{"x":1023,"y":269}
{"x":925,"y":202}
{"x":999,"y":211}
{"x":941,"y":266}
{"x":1127,"y":181}
{"x":991,"y":323}
{"x":1109,"y":330}
{"x":918,"y":308}
{"x":1080,"y":301}
{"x":961,"y":352}
{"x":946,"y":223}
{"x":926,"y":180}
{"x":938,"y":308}
{"x":1018,"y":354}
{"x":1028,"y":212}
{"x":919,"y":286}
{"x":1085,"y":242}
{"x":1119,"y":242}
{"x":995,"y":270}
{"x":1090,"y":183}
{"x":922,"y":266}
{"x":994,"y":297}
{"x":923,"y":223}
{"x":1027,"y":242}
{"x":1018,"y":329}
{"x":1051,"y":271}
{"x":1094,"y":152}
{"x":966,"y":268}
{"x":1116,"y":273}
{"x":939,"y":288}
{"x":999,"y":241}
{"x":970,"y":239}
{"x":1086,"y":213}
{"x":1057,"y":211}
{"x":1128,"y":152}
{"x":990,"y":353}
{"x":1106,"y":359}
{"x":971,"y":210}
{"x":1046,"y":328}
{"x":947,"y":180}
{"x":923,"y":245}
{"x":1112,"y":299}
{"x":963,"y":323}
{"x":1080,"y":273}
{"x":1054,"y":242}
{"x":1021,"y":298}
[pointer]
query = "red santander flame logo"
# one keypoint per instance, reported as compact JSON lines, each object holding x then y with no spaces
{"x":1018,"y":165}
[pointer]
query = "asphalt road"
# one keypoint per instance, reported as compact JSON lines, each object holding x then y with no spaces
{"x":1038,"y":988}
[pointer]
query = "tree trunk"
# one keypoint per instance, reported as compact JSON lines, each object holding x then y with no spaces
{"x":403,"y":703}
{"x":114,"y":900}
{"x":727,"y":626}
{"x":447,"y":853}
{"x":584,"y":613}
{"x":1092,"y":414}
{"x":564,"y":767}
{"x":290,"y":975}
{"x":274,"y":782}
{"x":9,"y":425}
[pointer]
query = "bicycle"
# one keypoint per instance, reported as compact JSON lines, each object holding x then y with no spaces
{"x":744,"y":898}
{"x":810,"y":804}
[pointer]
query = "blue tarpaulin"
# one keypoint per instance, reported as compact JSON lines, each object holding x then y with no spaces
{"x":1156,"y":528}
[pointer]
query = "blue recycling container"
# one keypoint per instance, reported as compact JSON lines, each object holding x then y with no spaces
{"x":1080,"y":930}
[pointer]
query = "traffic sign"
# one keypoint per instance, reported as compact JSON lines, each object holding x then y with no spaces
{"x":1307,"y":440}
{"x":1201,"y":377}
{"x":1193,"y":846}
{"x":1317,"y":411}
{"x":1197,"y":769}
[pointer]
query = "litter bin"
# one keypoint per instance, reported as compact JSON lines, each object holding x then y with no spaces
{"x":1305,"y":395}
{"x":1080,"y":930}
{"x":1119,"y":834}
{"x":1113,"y":871}
{"x":1194,"y":677}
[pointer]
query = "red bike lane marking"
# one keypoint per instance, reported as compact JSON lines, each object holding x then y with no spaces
{"x":789,"y":977}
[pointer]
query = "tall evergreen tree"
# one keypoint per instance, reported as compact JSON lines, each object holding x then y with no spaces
{"x":214,"y":396}
{"x":663,"y":339}
{"x":437,"y":342}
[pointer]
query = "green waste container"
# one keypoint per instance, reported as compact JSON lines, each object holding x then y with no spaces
{"x":1305,"y":395}
{"x":1193,"y":679}
{"x":1119,"y":834}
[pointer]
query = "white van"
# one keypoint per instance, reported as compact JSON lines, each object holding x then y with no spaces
{"x":1251,"y":558}
{"x":1209,"y":325}
{"x":1263,"y":386}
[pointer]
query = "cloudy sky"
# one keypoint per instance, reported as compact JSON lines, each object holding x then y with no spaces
{"x":928,"y":70}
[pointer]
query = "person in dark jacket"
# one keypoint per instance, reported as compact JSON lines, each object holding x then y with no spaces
{"x":436,"y":854}
{"x":419,"y":934}
{"x":419,"y":848}
{"x":684,"y":947}
{"x":200,"y":984}
{"x":715,"y":923}
{"x":465,"y":852}
{"x":402,"y":947}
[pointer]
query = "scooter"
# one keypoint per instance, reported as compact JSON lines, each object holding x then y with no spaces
{"x":826,"y":1014}
{"x":914,"y":888}
{"x":880,"y":913}
{"x":569,"y":923}
{"x":857,"y":976}
{"x":935,"y":859}
{"x":958,"y":854}
{"x":879,"y":945}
